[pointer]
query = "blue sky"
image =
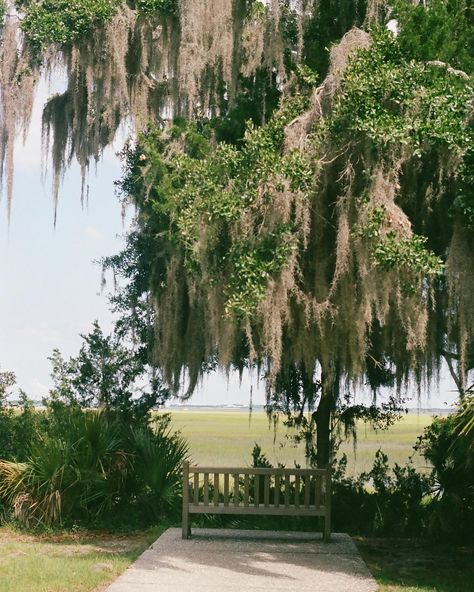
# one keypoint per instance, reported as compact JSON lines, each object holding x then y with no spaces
{"x":50,"y":287}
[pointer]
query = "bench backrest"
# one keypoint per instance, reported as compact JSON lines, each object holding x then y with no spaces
{"x":237,"y":490}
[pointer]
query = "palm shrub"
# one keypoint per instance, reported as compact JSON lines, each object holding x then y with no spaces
{"x":159,"y":456}
{"x":92,"y":466}
{"x":464,"y":422}
{"x":74,"y":474}
{"x":448,"y":446}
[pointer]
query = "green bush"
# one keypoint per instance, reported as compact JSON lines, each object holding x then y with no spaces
{"x":18,"y":426}
{"x":64,"y":21}
{"x":451,"y":453}
{"x":89,"y":466}
{"x":381,"y":501}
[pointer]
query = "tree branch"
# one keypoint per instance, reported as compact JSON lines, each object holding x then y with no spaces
{"x":448,"y":68}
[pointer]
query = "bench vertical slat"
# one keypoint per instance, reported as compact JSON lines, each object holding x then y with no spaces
{"x":307,"y":490}
{"x":185,"y":516}
{"x":246,"y":491}
{"x":216,"y":489}
{"x":287,"y":490}
{"x":256,"y":494}
{"x":297,"y":491}
{"x":266,"y":491}
{"x":276,"y":502}
{"x":317,"y":499}
{"x":226,"y":490}
{"x":206,"y":489}
{"x":236,"y":489}
{"x":196,"y":488}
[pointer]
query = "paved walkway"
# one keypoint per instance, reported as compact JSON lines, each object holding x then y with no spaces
{"x":247,"y":561}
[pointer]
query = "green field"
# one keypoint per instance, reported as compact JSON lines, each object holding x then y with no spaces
{"x":227,"y":438}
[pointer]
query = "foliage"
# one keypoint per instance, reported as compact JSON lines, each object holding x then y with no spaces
{"x":464,"y":421}
{"x":64,"y":21}
{"x":390,"y":503}
{"x":7,"y":380}
{"x":80,"y":472}
{"x":452,"y":456}
{"x":319,"y":240}
{"x":211,"y":183}
{"x":464,"y":200}
{"x":18,"y":426}
{"x":194,"y":186}
{"x":390,"y":251}
{"x":311,"y":243}
{"x":150,"y":7}
{"x":438,"y":30}
{"x":396,"y":101}
{"x":108,"y":375}
{"x":90,"y":465}
{"x":159,"y":455}
{"x":327,"y":25}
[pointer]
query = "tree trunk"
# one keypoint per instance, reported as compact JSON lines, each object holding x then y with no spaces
{"x":329,"y":388}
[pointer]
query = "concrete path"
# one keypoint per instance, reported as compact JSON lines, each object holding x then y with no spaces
{"x":247,"y":561}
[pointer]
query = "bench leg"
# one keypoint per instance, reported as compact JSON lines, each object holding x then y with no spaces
{"x":327,"y":529}
{"x":186,"y":526}
{"x":186,"y":533}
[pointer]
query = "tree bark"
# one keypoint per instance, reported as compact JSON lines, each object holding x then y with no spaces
{"x":329,"y":388}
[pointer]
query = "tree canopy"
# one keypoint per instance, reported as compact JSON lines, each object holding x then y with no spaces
{"x":303,"y":211}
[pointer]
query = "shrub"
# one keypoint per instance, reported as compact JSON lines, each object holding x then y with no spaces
{"x":381,"y":501}
{"x":89,"y":466}
{"x":159,"y":456}
{"x":451,"y":454}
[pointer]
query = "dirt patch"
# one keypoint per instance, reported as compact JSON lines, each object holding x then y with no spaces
{"x":77,"y":543}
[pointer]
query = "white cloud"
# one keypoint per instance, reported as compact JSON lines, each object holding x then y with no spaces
{"x":37,"y":389}
{"x":92,"y":234}
{"x":42,"y":332}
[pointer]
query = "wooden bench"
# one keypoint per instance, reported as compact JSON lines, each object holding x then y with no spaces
{"x":255,"y":491}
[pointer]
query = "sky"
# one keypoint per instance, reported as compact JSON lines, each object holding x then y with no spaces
{"x":50,"y":281}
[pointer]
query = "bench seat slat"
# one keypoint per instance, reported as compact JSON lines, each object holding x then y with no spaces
{"x":256,"y":471}
{"x":258,"y":510}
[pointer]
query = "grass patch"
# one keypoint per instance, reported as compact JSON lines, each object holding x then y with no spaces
{"x":72,"y":562}
{"x":227,"y":438}
{"x":407,"y":565}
